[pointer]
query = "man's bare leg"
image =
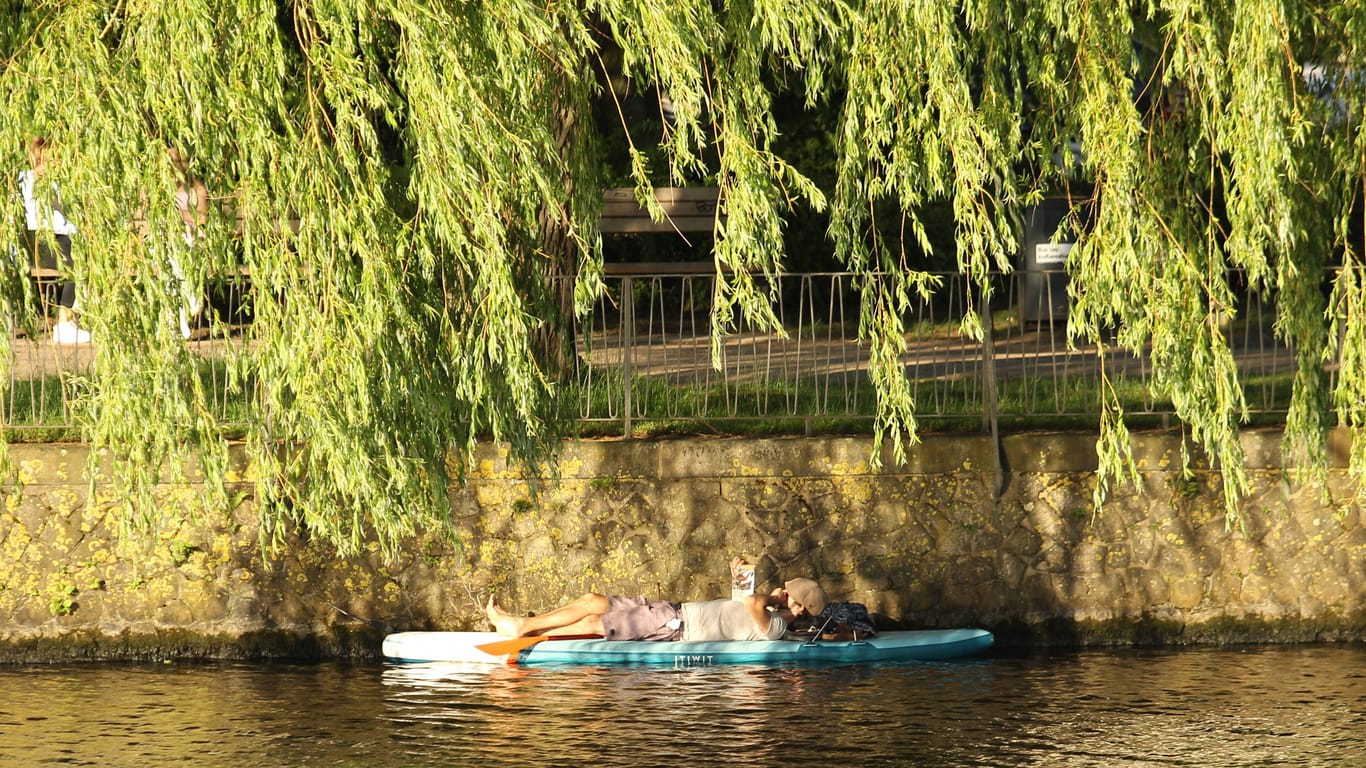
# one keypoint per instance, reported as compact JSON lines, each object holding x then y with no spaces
{"x":588,"y":625}
{"x":503,"y":622}
{"x":582,"y":615}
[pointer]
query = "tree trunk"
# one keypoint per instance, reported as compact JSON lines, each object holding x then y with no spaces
{"x":555,"y":340}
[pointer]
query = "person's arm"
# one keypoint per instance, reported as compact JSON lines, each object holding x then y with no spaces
{"x":758,"y":608}
{"x":201,"y":201}
{"x":196,"y":203}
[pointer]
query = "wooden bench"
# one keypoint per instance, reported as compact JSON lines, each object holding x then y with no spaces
{"x":24,"y":250}
{"x":686,"y":209}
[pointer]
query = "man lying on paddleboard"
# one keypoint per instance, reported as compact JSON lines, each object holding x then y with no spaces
{"x":616,"y":617}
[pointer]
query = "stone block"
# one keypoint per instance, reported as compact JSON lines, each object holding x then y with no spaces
{"x":1186,"y":592}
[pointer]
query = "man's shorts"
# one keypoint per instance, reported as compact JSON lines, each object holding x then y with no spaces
{"x":636,"y":618}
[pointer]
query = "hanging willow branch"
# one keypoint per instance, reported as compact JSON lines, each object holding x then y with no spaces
{"x":402,"y":179}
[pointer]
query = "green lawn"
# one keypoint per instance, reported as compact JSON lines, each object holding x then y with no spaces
{"x":37,"y":410}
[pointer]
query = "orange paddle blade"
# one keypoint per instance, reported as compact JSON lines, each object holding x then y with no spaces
{"x":513,"y":646}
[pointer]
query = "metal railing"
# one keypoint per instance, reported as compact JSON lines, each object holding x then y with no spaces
{"x":645,"y":359}
{"x":652,"y":331}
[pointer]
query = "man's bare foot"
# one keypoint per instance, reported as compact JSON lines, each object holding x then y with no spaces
{"x":503,"y":622}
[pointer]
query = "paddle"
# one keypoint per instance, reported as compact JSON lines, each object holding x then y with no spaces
{"x":515,"y":645}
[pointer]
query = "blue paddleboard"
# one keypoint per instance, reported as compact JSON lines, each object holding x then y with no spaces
{"x":920,"y":645}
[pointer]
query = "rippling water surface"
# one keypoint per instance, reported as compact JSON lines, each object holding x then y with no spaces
{"x":1299,"y":706}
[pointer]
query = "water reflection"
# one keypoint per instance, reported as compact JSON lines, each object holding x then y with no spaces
{"x":1254,"y":707}
{"x":610,"y":716}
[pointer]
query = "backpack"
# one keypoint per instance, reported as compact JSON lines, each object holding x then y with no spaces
{"x":852,"y":615}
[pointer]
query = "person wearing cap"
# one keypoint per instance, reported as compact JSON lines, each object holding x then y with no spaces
{"x":617,"y":617}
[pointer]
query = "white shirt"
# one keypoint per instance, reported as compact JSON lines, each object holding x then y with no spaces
{"x":55,"y":222}
{"x":726,"y":620}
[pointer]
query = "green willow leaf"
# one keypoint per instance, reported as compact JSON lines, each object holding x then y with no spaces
{"x":413,"y":188}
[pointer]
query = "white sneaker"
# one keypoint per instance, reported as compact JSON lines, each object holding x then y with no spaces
{"x":69,"y":333}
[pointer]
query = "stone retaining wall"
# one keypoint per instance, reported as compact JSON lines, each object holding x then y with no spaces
{"x":947,"y":540}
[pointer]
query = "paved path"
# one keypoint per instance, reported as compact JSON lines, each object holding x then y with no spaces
{"x":944,"y":366}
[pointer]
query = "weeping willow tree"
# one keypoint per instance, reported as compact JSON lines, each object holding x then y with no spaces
{"x":413,"y":189}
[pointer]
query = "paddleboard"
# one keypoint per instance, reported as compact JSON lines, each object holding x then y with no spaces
{"x":919,"y":645}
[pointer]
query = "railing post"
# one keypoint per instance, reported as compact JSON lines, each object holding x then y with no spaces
{"x":628,"y":340}
{"x":989,"y":391}
{"x":988,"y":366}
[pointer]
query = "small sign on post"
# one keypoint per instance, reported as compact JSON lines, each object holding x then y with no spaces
{"x":1052,"y":253}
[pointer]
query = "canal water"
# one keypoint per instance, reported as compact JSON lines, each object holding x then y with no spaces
{"x":1262,"y":706}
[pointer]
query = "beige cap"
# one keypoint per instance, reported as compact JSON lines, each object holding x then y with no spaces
{"x":809,"y":594}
